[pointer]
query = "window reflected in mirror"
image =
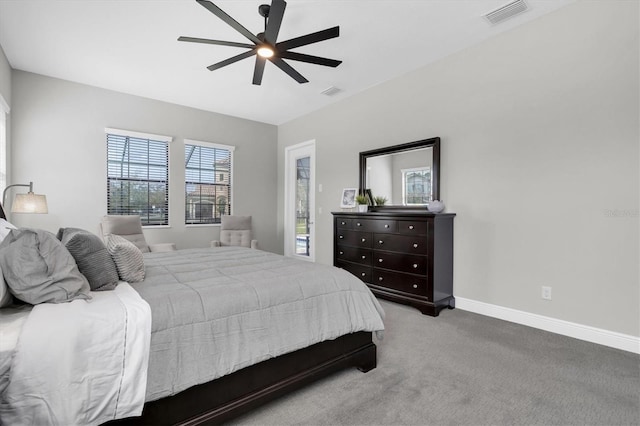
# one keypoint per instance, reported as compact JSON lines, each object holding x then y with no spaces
{"x":403,"y":177}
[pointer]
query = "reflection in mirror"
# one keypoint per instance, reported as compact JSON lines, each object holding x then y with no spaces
{"x":403,"y":178}
{"x":407,"y":175}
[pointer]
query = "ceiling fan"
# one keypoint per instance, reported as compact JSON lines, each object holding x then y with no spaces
{"x":265,"y":45}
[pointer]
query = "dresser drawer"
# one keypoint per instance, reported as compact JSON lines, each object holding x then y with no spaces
{"x":414,"y":264}
{"x":402,"y":243}
{"x":360,"y":271}
{"x":412,"y":227}
{"x":375,"y":225}
{"x":401,"y":282}
{"x":354,"y":238}
{"x":354,"y":254}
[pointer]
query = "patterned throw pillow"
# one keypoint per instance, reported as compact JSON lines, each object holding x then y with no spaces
{"x":92,"y":257}
{"x":127,"y":257}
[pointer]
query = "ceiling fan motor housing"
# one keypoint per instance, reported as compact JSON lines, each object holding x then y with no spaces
{"x":263,"y":10}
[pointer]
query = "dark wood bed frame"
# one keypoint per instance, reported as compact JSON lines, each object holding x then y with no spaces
{"x":237,"y":393}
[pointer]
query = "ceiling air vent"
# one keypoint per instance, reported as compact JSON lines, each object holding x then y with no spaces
{"x":507,"y":11}
{"x":331,"y":91}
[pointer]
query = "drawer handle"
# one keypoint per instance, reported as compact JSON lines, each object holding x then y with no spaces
{"x":386,"y":226}
{"x":343,"y":223}
{"x":380,"y":242}
{"x":410,"y":226}
{"x":415,"y":246}
{"x":341,"y":252}
{"x":363,"y":274}
{"x":364,"y":257}
{"x":358,"y":224}
{"x":364,"y":240}
{"x":379,"y":260}
{"x":380,"y":278}
{"x":415,"y":286}
{"x":415,"y":266}
{"x":341,"y":236}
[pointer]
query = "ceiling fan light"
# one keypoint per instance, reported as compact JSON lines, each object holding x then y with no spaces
{"x":265,"y":52}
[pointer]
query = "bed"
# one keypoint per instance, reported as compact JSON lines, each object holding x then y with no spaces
{"x":232,"y":328}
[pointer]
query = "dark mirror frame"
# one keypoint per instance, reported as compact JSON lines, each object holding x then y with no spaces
{"x":434,"y":143}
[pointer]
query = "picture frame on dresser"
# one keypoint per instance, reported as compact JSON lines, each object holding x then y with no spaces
{"x":348,"y":200}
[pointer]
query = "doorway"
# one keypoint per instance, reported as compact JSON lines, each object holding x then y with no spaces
{"x":299,"y":209}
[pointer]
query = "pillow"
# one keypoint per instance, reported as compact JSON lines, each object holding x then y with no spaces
{"x":39,"y":269}
{"x":5,"y":228}
{"x":91,"y":256}
{"x":127,"y":257}
{"x":6,"y":298}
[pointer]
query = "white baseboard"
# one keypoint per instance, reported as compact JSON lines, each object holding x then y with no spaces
{"x":612,"y":339}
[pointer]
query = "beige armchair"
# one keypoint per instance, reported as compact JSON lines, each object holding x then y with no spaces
{"x":235,"y":231}
{"x":130,"y":228}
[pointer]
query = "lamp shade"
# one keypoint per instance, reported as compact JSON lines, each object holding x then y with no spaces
{"x":29,"y":203}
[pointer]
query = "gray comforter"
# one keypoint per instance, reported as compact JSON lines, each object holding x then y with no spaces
{"x":215,"y":311}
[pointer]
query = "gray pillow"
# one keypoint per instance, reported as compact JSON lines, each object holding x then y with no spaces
{"x":6,"y":298}
{"x":92,"y":257}
{"x":127,"y":257}
{"x":39,"y":269}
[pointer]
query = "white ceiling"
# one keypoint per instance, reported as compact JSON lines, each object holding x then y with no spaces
{"x":130,"y":46}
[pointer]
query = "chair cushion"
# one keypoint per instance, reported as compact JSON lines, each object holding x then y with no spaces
{"x":235,"y":222}
{"x":235,"y":238}
{"x":128,"y":227}
{"x":162,"y":247}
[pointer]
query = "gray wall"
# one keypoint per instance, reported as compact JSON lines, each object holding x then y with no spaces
{"x":540,"y":135}
{"x":59,"y":144}
{"x":5,"y":92}
{"x":5,"y":77}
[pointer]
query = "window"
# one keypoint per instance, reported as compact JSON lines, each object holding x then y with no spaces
{"x":138,"y":176}
{"x":207,"y":175}
{"x":416,"y":186}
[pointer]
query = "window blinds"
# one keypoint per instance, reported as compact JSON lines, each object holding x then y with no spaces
{"x":207,"y":183}
{"x":138,"y":178}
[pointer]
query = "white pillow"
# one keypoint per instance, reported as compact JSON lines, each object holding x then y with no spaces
{"x":5,"y":228}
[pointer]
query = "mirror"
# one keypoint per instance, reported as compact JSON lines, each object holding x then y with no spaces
{"x":408,"y":175}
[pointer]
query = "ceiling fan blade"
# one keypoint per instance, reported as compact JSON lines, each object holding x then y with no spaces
{"x":276,"y":13}
{"x":219,"y":42}
{"x":231,"y":60}
{"x":258,"y":71}
{"x":289,"y":70}
{"x":229,"y":20}
{"x":309,"y":39}
{"x":294,"y":56}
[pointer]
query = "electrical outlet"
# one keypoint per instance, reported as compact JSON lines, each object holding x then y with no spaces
{"x":546,"y":293}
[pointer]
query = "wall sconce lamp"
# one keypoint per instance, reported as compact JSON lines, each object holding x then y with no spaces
{"x":27,"y":203}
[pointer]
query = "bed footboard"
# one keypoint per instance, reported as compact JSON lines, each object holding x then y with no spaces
{"x":246,"y":389}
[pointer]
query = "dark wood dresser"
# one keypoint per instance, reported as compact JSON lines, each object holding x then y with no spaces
{"x":403,"y":257}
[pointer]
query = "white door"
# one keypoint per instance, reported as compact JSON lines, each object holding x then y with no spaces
{"x":299,"y":199}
